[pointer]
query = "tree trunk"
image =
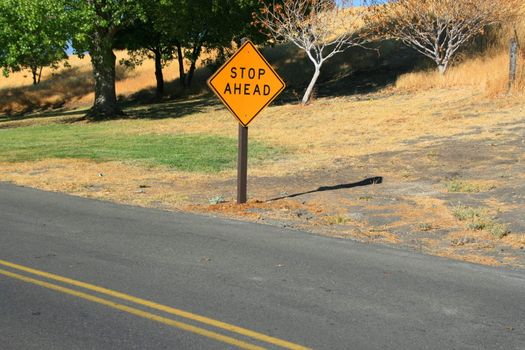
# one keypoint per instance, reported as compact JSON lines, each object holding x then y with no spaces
{"x":194,"y":57}
{"x":40,"y":74}
{"x":182,"y":74}
{"x":308,"y":94}
{"x":442,"y":68}
{"x":103,"y":62}
{"x":34,"y":71}
{"x":159,"y":93}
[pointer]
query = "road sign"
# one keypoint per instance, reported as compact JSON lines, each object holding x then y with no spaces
{"x":246,"y":83}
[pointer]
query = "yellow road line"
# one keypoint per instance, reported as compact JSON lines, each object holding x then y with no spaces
{"x":136,"y":312}
{"x":181,"y":313}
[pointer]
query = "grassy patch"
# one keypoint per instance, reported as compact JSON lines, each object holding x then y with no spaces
{"x":425,"y":227}
{"x":463,"y":213}
{"x":480,"y":224}
{"x":104,"y":142}
{"x":337,"y":220}
{"x":462,"y":187}
{"x":499,"y":230}
{"x":478,"y":219}
{"x":458,"y":186}
{"x":217,"y":200}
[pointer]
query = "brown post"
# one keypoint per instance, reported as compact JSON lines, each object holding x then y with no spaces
{"x":242,"y":160}
{"x":242,"y":165}
{"x":513,"y":61}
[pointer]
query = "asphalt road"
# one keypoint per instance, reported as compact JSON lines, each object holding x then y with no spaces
{"x":289,"y":287}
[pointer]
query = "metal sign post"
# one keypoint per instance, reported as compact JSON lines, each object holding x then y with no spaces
{"x":246,"y":84}
{"x":242,"y":165}
{"x":242,"y":159}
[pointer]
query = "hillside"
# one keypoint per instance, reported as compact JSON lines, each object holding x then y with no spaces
{"x":482,"y":67}
{"x":388,"y":152}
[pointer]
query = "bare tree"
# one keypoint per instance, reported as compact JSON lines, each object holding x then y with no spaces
{"x":322,"y":28}
{"x":439,"y":28}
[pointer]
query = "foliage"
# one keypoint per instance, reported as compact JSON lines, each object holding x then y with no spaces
{"x":33,"y":35}
{"x":96,"y":24}
{"x":36,"y":33}
{"x":464,"y":213}
{"x":152,"y":37}
{"x":184,"y":29}
{"x":458,"y":186}
{"x":478,"y":219}
{"x":217,"y":200}
{"x":90,"y":17}
{"x":322,"y":28}
{"x":210,"y":24}
{"x":439,"y":28}
{"x":499,"y":230}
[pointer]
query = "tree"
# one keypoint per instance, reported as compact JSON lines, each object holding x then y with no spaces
{"x":439,"y":28}
{"x":97,"y":23}
{"x":168,"y":21}
{"x":150,"y":38}
{"x":206,"y":24}
{"x":322,"y":28}
{"x":33,"y":35}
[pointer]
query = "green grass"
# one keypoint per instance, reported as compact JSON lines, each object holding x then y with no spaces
{"x":337,"y":220}
{"x":478,"y":219}
{"x":464,"y":213}
{"x":425,"y":226}
{"x":105,"y":142}
{"x":499,"y":230}
{"x":458,"y":186}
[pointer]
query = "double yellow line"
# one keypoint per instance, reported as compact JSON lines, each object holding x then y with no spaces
{"x":150,"y":304}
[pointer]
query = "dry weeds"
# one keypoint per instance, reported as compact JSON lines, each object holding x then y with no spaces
{"x":487,"y":73}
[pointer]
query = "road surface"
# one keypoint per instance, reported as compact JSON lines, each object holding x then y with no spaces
{"x":83,"y":274}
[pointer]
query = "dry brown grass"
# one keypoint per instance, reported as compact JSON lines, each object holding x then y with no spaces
{"x":349,"y":127}
{"x":487,"y":73}
{"x":72,"y":87}
{"x":115,"y":181}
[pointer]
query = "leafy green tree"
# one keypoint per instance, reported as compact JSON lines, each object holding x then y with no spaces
{"x":96,"y":25}
{"x":207,"y":24}
{"x":143,"y":42}
{"x":152,"y":38}
{"x":184,"y":29}
{"x":33,"y":35}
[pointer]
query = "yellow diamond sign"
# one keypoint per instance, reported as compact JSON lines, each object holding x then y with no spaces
{"x":246,"y":83}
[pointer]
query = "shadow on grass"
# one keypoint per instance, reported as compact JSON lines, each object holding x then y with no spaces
{"x":48,"y":98}
{"x":52,"y":93}
{"x":171,"y":109}
{"x":367,"y":182}
{"x":75,"y":115}
{"x":153,"y":111}
{"x":356,"y":71}
{"x":173,"y":90}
